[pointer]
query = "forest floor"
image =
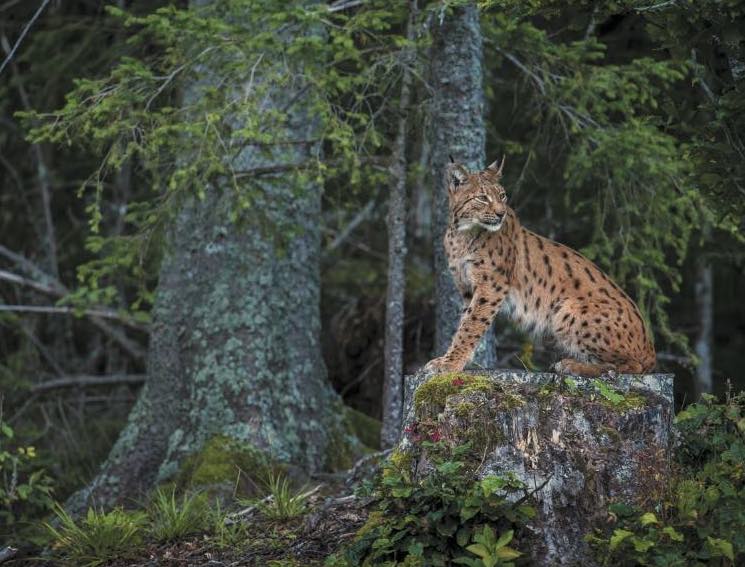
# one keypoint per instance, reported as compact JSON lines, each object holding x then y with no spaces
{"x":331,"y":519}
{"x":305,"y":540}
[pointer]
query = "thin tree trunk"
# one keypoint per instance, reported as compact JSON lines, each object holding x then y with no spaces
{"x":704,"y":290}
{"x":422,"y":217}
{"x":457,"y":129}
{"x":235,"y":340}
{"x":396,"y":222}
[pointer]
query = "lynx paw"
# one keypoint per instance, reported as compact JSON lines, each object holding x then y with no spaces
{"x":441,"y":364}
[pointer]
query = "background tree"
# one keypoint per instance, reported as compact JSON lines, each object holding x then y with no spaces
{"x":456,"y":119}
{"x":396,"y":222}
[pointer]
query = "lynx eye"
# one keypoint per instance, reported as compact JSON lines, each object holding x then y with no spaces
{"x":504,"y":197}
{"x":483,"y":200}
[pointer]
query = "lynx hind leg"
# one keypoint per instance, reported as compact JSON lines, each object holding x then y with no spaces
{"x":577,"y":368}
{"x":630,"y":367}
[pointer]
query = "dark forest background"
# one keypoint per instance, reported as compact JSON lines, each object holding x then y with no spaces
{"x":259,"y":145}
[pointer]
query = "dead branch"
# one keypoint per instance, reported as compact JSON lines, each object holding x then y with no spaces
{"x":20,"y":280}
{"x":52,"y":286}
{"x":23,"y":34}
{"x":343,"y":234}
{"x":85,"y":381}
{"x":64,"y":310}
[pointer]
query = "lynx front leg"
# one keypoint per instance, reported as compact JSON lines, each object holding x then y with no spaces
{"x":475,"y":321}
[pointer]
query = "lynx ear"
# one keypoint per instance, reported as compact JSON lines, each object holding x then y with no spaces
{"x":456,"y":175}
{"x":496,"y":169}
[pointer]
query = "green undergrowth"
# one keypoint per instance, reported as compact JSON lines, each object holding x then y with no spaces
{"x":97,"y":538}
{"x":448,"y":516}
{"x":173,"y":517}
{"x":286,"y":502}
{"x":26,"y":489}
{"x":700,"y":519}
{"x":167,"y":518}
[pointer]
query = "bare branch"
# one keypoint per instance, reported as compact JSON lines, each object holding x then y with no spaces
{"x":344,"y":5}
{"x":343,"y":234}
{"x":23,"y":34}
{"x":85,"y":380}
{"x":63,"y":310}
{"x":55,"y":288}
{"x":29,"y":267}
{"x":15,"y":278}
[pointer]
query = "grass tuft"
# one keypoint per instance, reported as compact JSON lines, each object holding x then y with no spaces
{"x":172,"y":518}
{"x":99,"y":537}
{"x":283,"y":502}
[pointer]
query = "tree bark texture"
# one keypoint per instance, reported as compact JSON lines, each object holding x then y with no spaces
{"x":396,"y":290}
{"x":235,"y":339}
{"x":578,"y":444}
{"x":457,"y":128}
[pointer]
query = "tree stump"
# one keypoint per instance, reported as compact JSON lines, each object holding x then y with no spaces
{"x":579,"y":444}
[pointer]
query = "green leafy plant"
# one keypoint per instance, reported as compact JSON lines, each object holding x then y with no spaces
{"x":172,"y":518}
{"x":25,"y":489}
{"x":99,"y":537}
{"x":702,"y":518}
{"x":490,"y":550}
{"x":449,"y":516}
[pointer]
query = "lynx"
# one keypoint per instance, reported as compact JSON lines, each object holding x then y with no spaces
{"x":500,"y":266}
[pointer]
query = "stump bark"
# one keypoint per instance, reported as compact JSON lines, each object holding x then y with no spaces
{"x":580,"y":444}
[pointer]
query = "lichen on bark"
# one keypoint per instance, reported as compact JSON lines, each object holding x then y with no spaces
{"x":234,"y":344}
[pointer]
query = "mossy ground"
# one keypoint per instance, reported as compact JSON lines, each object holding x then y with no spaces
{"x":225,"y":462}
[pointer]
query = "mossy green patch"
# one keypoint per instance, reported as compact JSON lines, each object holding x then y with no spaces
{"x":400,"y":459}
{"x":374,"y":520}
{"x":343,"y":447}
{"x":619,"y":401}
{"x":366,"y":428}
{"x":511,"y":400}
{"x":224,"y":460}
{"x":464,"y":408}
{"x":435,"y":391}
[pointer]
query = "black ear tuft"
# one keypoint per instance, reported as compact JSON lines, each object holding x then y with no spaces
{"x":456,"y":175}
{"x":451,"y":158}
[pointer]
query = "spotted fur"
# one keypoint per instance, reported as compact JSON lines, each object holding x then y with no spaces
{"x":546,"y":287}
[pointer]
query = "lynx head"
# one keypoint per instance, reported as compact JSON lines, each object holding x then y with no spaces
{"x":476,"y":199}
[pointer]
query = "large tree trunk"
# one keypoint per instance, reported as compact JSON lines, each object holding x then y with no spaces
{"x":234,"y":348}
{"x":457,"y":129}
